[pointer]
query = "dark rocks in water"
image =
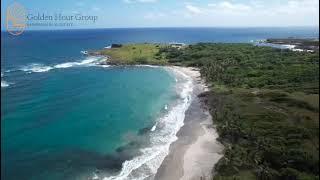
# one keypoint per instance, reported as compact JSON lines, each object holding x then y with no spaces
{"x":94,"y":53}
{"x":116,"y":45}
{"x":144,"y":131}
{"x":295,"y":41}
{"x":111,"y":162}
{"x":128,"y":147}
{"x":114,"y":161}
{"x":302,"y":43}
{"x":115,"y":63}
{"x":72,"y":162}
{"x":104,"y":62}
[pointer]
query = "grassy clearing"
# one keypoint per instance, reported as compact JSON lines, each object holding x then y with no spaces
{"x":135,"y":54}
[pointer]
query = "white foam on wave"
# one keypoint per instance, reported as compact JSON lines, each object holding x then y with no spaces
{"x":153,"y":128}
{"x":105,"y":66}
{"x":4,"y":84}
{"x":40,"y":68}
{"x":65,"y":65}
{"x":36,"y":67}
{"x":7,"y":71}
{"x":147,"y":164}
{"x":289,"y":46}
{"x":88,"y":62}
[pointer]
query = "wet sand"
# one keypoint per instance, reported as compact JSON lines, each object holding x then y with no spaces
{"x":194,"y":154}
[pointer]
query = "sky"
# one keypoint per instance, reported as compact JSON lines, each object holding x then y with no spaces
{"x":178,"y":13}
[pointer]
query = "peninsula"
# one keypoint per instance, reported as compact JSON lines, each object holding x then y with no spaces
{"x":264,"y":103}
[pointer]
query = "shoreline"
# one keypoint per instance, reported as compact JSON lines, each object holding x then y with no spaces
{"x":196,"y":151}
{"x":162,"y":134}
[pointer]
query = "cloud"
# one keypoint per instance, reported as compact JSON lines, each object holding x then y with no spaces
{"x":277,"y":7}
{"x":194,"y":10}
{"x":298,"y":6}
{"x":221,"y":7}
{"x":256,"y":12}
{"x":228,"y":6}
{"x":241,"y":13}
{"x":139,"y":1}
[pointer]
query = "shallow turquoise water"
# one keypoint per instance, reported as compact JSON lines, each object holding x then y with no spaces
{"x":70,"y":119}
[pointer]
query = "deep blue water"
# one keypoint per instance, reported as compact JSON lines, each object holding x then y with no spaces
{"x":63,"y":117}
{"x":65,"y":45}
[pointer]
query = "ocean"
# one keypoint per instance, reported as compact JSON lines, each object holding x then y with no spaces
{"x":65,"y":117}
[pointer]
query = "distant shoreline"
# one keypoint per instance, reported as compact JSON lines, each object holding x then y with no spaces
{"x":154,"y":53}
{"x":179,"y":27}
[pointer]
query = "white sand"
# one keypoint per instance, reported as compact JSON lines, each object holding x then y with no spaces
{"x":202,"y":155}
{"x":196,"y":151}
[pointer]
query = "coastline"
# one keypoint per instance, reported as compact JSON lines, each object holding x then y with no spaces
{"x":162,"y":134}
{"x":192,"y":150}
{"x":196,"y":151}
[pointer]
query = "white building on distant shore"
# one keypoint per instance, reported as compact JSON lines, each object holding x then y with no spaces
{"x":177,"y":45}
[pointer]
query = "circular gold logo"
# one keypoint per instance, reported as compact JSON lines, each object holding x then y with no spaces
{"x":16,"y":19}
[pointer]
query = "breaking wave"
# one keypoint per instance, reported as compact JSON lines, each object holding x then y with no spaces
{"x":37,"y":67}
{"x":3,"y":83}
{"x":161,"y":136}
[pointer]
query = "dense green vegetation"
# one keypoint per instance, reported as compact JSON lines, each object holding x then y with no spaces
{"x":247,"y":66}
{"x":265,"y":104}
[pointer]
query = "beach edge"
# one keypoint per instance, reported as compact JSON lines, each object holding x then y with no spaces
{"x":196,"y":151}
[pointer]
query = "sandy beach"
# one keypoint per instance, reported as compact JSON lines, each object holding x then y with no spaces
{"x":196,"y":151}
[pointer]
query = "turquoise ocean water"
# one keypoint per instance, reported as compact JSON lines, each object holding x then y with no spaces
{"x":64,"y":117}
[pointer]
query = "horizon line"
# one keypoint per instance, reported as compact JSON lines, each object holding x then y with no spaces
{"x":150,"y":27}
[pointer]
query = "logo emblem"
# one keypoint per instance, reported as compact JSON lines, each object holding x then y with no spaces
{"x":16,"y":19}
